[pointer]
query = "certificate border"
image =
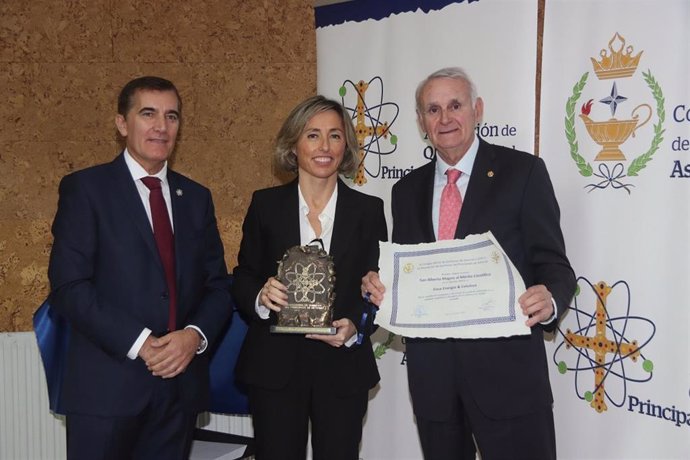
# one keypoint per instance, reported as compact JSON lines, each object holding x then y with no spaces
{"x":397,"y":260}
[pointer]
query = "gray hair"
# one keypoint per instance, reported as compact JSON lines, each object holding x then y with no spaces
{"x":293,"y":126}
{"x":455,"y":73}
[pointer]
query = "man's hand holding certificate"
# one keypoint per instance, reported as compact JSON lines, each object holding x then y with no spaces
{"x":450,"y":289}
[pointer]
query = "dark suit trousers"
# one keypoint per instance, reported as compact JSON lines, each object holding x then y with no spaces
{"x":163,"y":430}
{"x":281,"y":416}
{"x":528,"y":437}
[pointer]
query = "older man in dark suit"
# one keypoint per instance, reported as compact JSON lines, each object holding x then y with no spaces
{"x":137,"y":269}
{"x":496,"y":390}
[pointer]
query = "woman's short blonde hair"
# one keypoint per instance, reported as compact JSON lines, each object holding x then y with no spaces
{"x":293,"y":126}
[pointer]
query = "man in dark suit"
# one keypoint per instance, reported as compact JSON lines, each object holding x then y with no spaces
{"x":495,"y":389}
{"x":144,"y":287}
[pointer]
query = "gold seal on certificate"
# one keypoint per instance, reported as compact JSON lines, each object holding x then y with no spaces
{"x":308,"y":273}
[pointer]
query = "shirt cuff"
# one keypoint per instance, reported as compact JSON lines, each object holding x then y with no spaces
{"x":261,"y":310}
{"x":133,"y":352}
{"x":204,"y":343}
{"x":352,"y":340}
{"x":555,"y":313}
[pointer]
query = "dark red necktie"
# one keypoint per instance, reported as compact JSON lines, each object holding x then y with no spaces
{"x":163,"y":234}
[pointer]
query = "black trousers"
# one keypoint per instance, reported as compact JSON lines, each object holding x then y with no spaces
{"x":281,"y":418}
{"x":163,"y":430}
{"x":528,"y":437}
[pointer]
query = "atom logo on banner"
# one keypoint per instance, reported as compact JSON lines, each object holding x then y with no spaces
{"x":604,"y":343}
{"x":369,"y":124}
{"x":615,"y":131}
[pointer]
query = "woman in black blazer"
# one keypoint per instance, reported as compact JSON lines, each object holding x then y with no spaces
{"x":297,"y":379}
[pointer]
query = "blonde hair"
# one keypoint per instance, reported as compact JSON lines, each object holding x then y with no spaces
{"x":293,"y":126}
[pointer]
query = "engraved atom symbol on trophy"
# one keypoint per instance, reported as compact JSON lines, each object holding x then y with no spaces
{"x":305,"y":282}
{"x":602,"y":344}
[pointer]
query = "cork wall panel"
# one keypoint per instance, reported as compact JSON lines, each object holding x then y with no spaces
{"x":286,"y":25}
{"x":240,"y":66}
{"x":213,"y":31}
{"x":24,"y":250}
{"x":31,"y":172}
{"x":55,"y":101}
{"x":238,"y":105}
{"x":55,"y":31}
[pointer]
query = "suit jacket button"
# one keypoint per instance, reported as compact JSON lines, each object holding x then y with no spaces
{"x":164,"y":295}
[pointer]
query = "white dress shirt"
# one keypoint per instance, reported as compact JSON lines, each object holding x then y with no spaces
{"x":138,"y":172}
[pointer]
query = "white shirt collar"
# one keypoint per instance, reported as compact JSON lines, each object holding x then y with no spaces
{"x":465,"y":164}
{"x":327,"y":219}
{"x":328,"y":211}
{"x":137,"y":171}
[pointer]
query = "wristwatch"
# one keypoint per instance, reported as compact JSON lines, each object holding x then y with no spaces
{"x":202,"y":343}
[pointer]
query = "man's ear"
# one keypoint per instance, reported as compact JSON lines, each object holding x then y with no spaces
{"x":121,"y":124}
{"x":420,"y":124}
{"x":479,"y":110}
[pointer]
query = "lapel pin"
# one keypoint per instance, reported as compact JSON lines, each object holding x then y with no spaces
{"x":490,"y":173}
{"x":178,"y":192}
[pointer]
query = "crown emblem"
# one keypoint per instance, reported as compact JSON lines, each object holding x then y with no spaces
{"x":616,"y":63}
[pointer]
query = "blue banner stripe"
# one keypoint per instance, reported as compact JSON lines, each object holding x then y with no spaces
{"x":361,"y":10}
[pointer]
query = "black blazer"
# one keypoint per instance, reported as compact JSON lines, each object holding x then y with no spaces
{"x":108,"y":282}
{"x":511,"y":195}
{"x":270,"y":228}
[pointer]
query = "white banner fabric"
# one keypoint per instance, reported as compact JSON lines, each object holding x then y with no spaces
{"x":615,"y":134}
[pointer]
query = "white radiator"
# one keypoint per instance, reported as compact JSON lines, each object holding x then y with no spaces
{"x":235,"y":424}
{"x":28,"y":430}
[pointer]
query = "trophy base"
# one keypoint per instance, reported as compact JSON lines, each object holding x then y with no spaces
{"x":303,"y":330}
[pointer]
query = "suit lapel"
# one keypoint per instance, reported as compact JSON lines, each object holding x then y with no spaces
{"x":131,"y":202}
{"x":345,"y":220}
{"x":287,"y":215}
{"x":426,"y":201}
{"x":179,"y":211}
{"x":478,"y":189}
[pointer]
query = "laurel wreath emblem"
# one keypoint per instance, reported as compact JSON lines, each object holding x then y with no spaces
{"x":584,"y":167}
{"x":381,"y":348}
{"x":638,"y":163}
{"x":641,"y":161}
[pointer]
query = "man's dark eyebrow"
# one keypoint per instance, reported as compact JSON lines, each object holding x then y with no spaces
{"x":152,"y":109}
